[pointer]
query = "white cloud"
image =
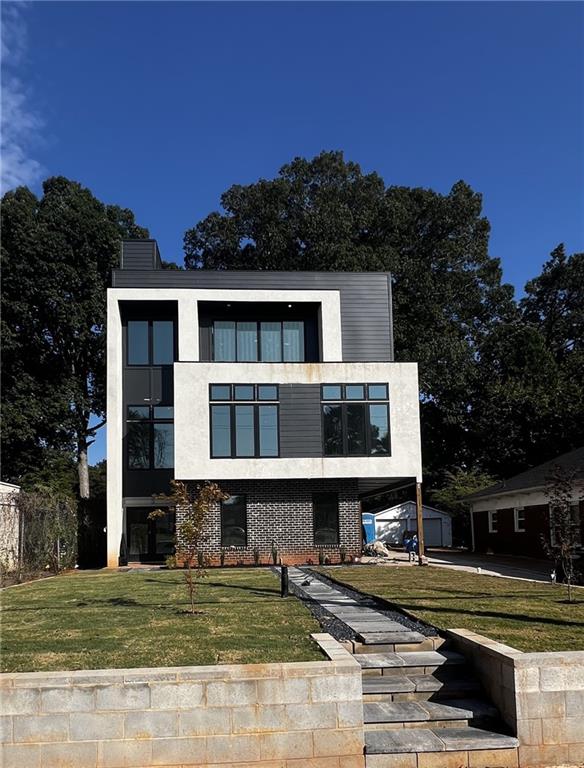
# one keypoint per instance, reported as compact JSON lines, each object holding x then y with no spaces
{"x":20,"y":126}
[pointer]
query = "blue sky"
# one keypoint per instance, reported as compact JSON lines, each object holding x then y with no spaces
{"x":162,"y":106}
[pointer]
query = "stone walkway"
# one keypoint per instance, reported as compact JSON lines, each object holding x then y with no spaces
{"x":420,"y":699}
{"x":367,"y":623}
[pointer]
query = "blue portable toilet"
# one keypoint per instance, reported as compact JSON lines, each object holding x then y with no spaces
{"x":368,"y":520}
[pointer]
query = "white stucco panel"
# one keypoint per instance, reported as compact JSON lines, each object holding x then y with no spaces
{"x":188,"y":320}
{"x":192,"y":438}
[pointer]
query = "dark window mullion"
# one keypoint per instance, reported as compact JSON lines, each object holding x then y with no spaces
{"x":345,"y":429}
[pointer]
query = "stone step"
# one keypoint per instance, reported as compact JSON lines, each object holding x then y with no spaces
{"x":408,"y":740}
{"x":419,"y":687}
{"x":476,"y":758}
{"x":403,"y":661}
{"x":390,"y":638}
{"x":401,"y":714}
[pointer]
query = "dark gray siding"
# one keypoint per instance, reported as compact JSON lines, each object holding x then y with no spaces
{"x":365,"y":299}
{"x":300,"y":423}
{"x":140,"y":254}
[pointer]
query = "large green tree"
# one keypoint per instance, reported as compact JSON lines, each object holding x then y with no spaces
{"x":528,"y":404}
{"x":326,"y":214}
{"x":57,"y":255}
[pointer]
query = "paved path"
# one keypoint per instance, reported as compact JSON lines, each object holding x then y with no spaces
{"x":364,"y":621}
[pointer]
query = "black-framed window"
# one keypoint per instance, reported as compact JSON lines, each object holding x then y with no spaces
{"x":234,"y":521}
{"x":150,"y":342}
{"x":242,"y":427}
{"x":150,"y":437}
{"x":355,"y":419}
{"x":273,"y":341}
{"x":325,"y":515}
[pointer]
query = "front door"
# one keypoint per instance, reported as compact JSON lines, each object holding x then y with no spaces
{"x":149,"y":541}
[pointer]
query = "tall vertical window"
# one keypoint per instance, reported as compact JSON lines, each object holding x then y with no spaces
{"x":266,"y":341}
{"x":271,"y":342}
{"x":220,"y":431}
{"x":162,"y":342}
{"x":325,"y":511}
{"x":138,"y":342}
{"x":150,"y":437}
{"x":293,"y":333}
{"x":244,"y":430}
{"x":519,"y":519}
{"x":355,"y":419}
{"x":224,"y":340}
{"x":150,"y":342}
{"x":234,"y":522}
{"x":247,"y":426}
{"x":493,"y":522}
{"x":247,"y":341}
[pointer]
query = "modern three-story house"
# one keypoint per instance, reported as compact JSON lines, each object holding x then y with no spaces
{"x":279,"y":386}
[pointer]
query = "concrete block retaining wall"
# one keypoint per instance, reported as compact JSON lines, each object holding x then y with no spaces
{"x":539,"y":695}
{"x":295,"y":715}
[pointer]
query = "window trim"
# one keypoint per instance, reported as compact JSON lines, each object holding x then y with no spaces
{"x":151,"y":321}
{"x":150,"y":420}
{"x":493,"y":520}
{"x":344,"y":404}
{"x":229,"y":546}
{"x":516,"y":512}
{"x":255,"y":405}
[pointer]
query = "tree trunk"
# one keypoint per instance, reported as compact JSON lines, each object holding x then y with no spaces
{"x":83,"y":467}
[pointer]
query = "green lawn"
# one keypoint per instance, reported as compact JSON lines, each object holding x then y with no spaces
{"x":103,"y":620}
{"x":525,"y":615}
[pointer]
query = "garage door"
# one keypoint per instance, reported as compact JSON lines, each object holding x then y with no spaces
{"x":433,"y":532}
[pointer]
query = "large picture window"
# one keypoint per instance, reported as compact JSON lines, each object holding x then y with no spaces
{"x":246,"y":427}
{"x":150,"y":342}
{"x":252,"y":341}
{"x":150,"y":437}
{"x":355,"y":419}
{"x":234,"y":522}
{"x":325,"y":511}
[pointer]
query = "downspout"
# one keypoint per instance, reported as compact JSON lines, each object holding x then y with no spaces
{"x":472,"y":531}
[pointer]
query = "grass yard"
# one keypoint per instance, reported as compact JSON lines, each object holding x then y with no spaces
{"x":525,"y":615}
{"x":108,"y":620}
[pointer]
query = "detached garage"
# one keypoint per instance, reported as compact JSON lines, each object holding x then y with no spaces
{"x":391,"y":524}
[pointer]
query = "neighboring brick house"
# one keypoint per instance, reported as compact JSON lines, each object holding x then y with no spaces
{"x":512,"y":516}
{"x":280,"y":386}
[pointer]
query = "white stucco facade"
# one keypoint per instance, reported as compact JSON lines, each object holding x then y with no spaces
{"x":192,"y":455}
{"x":192,"y":437}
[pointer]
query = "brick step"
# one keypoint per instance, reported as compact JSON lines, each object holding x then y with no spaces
{"x":409,"y":714}
{"x":408,"y":740}
{"x":441,"y":685}
{"x":425,"y":661}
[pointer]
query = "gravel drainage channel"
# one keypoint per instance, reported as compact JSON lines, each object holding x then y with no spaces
{"x":337,"y":628}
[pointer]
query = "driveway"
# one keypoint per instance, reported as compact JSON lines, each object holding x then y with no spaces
{"x":493,"y":565}
{"x":526,"y":568}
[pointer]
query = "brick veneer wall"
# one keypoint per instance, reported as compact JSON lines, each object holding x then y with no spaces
{"x":280,"y":511}
{"x":298,"y":715}
{"x":507,"y":540}
{"x":539,"y":695}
